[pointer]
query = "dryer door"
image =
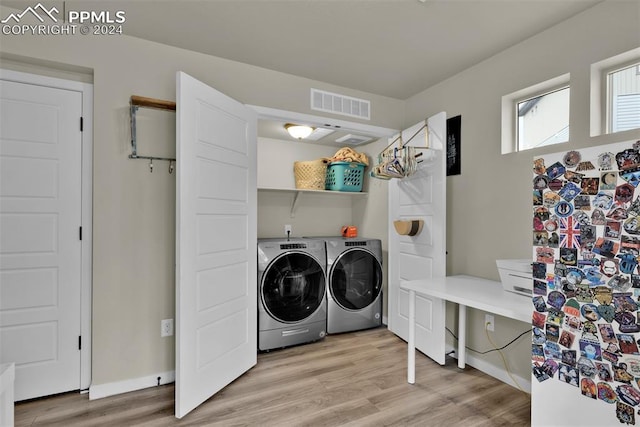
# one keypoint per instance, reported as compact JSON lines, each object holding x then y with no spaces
{"x":356,"y":279}
{"x":293,"y":287}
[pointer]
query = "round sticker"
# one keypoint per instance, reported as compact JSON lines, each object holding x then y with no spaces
{"x":540,"y":182}
{"x":609,"y":179}
{"x":564,"y":209}
{"x":556,"y":184}
{"x":571,"y":159}
{"x":551,"y":225}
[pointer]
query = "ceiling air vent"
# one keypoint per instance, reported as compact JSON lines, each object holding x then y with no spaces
{"x":319,"y":133}
{"x":340,"y":104}
{"x":352,"y":139}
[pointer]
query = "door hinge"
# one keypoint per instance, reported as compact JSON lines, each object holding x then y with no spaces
{"x":81,"y":124}
{"x":79,"y":342}
{"x":80,"y":233}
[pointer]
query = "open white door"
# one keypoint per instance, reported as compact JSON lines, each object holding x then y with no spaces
{"x":421,"y":196}
{"x":216,"y":283}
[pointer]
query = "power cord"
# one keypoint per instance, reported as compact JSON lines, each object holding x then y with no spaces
{"x":493,"y":349}
{"x":504,"y":360}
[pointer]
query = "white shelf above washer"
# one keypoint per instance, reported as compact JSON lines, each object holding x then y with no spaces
{"x":297,"y":192}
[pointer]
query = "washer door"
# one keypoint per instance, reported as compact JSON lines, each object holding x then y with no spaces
{"x":356,"y":279}
{"x":293,"y":287}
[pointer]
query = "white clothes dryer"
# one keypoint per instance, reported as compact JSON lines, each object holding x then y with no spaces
{"x":354,"y":297}
{"x":292,"y":306}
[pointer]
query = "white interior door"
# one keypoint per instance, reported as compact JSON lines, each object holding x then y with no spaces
{"x":40,"y":248}
{"x":216,"y":261}
{"x":421,"y":196}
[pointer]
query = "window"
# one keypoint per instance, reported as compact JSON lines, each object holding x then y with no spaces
{"x":623,"y":98}
{"x":543,"y":120}
{"x":615,"y":94}
{"x":536,"y":116}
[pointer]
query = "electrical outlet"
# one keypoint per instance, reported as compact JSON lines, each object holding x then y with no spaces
{"x":166,"y":327}
{"x":288,"y":230}
{"x":489,"y":322}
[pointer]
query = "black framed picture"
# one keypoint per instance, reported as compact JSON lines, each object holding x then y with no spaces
{"x":454,"y":125}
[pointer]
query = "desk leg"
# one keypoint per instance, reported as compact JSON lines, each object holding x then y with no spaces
{"x":411,"y":347}
{"x":462,"y":332}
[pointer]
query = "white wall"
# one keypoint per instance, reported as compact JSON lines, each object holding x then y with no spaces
{"x":489,"y":209}
{"x":133,"y":264}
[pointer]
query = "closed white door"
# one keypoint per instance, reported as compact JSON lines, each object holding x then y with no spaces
{"x":421,"y":196}
{"x":40,"y":248}
{"x":216,"y":238}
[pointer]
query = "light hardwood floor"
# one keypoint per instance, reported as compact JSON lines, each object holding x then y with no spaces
{"x":352,"y":379}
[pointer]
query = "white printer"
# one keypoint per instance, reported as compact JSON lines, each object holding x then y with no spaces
{"x":516,"y":275}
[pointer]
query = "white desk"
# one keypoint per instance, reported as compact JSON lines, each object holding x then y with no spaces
{"x":466,"y":291}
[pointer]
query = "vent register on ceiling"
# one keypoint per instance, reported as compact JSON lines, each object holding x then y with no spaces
{"x":340,"y":104}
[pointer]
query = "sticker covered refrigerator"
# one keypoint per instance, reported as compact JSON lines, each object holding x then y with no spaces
{"x":586,"y":301}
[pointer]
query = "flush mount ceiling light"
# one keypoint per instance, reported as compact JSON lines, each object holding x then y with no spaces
{"x":298,"y":131}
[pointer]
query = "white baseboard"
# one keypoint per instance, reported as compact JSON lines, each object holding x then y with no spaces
{"x":495,"y":372}
{"x":384,"y":320}
{"x":109,"y":389}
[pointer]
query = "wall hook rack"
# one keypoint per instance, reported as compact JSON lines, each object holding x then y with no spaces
{"x":401,"y":161}
{"x":135,"y":103}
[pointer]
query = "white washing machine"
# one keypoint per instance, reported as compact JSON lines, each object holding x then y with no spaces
{"x":354,"y":297}
{"x":292,"y":306}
